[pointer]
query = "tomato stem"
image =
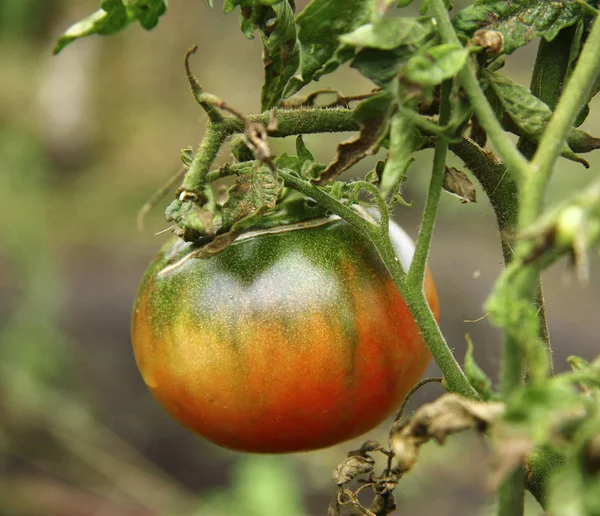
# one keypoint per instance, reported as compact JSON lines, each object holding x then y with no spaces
{"x":467,"y":78}
{"x":416,"y":274}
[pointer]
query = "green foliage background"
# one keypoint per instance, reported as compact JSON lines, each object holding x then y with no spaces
{"x":85,"y":139}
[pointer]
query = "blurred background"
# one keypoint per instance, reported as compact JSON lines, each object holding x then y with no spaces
{"x":85,"y":140}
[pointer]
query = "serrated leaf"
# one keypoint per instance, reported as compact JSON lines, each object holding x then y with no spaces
{"x":319,"y":26}
{"x":519,"y":21}
{"x":113,"y":16}
{"x":458,"y":183}
{"x":476,"y":376}
{"x":281,"y":54}
{"x":372,"y":116}
{"x":251,"y":194}
{"x":390,"y":33}
{"x":431,"y":67}
{"x":530,"y":115}
{"x":404,"y":142}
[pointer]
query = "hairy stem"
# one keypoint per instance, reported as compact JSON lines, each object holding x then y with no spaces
{"x":499,"y":186}
{"x":291,"y":122}
{"x":416,"y":274}
{"x":205,"y":156}
{"x":510,"y":494}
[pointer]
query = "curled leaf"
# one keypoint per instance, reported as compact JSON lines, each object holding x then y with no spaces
{"x":351,"y":467}
{"x":458,"y":183}
{"x":405,"y":140}
{"x":251,"y":194}
{"x":437,"y":420}
{"x":372,"y":116}
{"x":476,"y":376}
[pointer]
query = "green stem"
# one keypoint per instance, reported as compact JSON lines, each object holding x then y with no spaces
{"x":467,"y":78}
{"x":511,"y":499}
{"x":414,"y":297}
{"x":551,"y":68}
{"x":416,"y":274}
{"x":291,"y":122}
{"x":499,"y":186}
{"x":575,"y":93}
{"x":204,"y":158}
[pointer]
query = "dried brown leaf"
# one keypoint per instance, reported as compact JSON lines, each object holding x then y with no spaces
{"x":445,"y":416}
{"x":352,"y":467}
{"x":353,"y":150}
{"x":458,"y":183}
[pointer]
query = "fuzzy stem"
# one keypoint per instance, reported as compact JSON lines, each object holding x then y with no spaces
{"x":510,"y":494}
{"x":291,"y":122}
{"x":204,"y":157}
{"x":499,"y":186}
{"x":416,"y":274}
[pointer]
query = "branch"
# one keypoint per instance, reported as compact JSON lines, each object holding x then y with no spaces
{"x":416,"y":274}
{"x":516,"y":163}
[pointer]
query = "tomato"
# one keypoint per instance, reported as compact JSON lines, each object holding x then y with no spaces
{"x":293,"y":338}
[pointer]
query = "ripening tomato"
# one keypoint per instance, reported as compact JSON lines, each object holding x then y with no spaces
{"x":293,"y":338}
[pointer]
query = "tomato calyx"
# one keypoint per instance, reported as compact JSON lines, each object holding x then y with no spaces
{"x":209,"y":234}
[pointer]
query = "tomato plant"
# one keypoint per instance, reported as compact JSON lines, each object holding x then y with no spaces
{"x":286,"y":338}
{"x":293,"y":338}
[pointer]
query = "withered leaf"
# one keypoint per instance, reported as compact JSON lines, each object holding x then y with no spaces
{"x":252,"y":193}
{"x":458,"y":183}
{"x":372,"y":116}
{"x":352,"y":467}
{"x":437,"y":420}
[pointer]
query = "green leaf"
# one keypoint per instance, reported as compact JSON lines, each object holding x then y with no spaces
{"x":187,"y":156}
{"x":381,"y":66}
{"x":289,"y":162}
{"x":320,"y":25}
{"x":251,"y":194}
{"x":390,"y":33}
{"x":113,"y":16}
{"x":519,"y":21}
{"x":281,"y":54}
{"x":304,"y":155}
{"x":530,"y":116}
{"x":476,"y":376}
{"x":405,"y":140}
{"x":436,"y":64}
{"x":253,"y":13}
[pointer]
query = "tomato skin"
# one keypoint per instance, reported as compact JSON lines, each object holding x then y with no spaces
{"x":286,"y":341}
